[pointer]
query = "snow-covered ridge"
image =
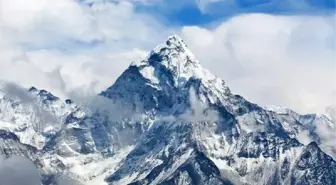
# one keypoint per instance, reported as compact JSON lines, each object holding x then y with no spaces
{"x":242,"y":142}
{"x":278,"y":109}
{"x":33,"y":115}
{"x":287,"y":111}
{"x":244,"y":130}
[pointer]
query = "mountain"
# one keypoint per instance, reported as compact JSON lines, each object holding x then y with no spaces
{"x":166,"y":121}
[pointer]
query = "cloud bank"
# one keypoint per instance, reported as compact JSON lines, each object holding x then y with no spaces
{"x":65,"y":45}
{"x":272,"y":60}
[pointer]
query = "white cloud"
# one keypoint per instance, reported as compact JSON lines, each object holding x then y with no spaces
{"x":43,"y":21}
{"x":328,"y":138}
{"x":279,"y":60}
{"x":64,"y":45}
{"x":304,"y":138}
{"x":199,"y":111}
{"x":46,"y":43}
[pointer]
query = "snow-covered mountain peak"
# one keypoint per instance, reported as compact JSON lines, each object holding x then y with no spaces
{"x":174,"y":42}
{"x":32,"y":89}
{"x":42,"y":94}
{"x":166,"y":120}
{"x":162,"y":81}
{"x":47,"y":97}
{"x":175,"y":61}
{"x":33,"y":114}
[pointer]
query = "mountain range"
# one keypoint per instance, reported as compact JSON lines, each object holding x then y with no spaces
{"x":166,"y":121}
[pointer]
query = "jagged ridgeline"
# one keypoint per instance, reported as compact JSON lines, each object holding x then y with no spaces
{"x":166,"y":121}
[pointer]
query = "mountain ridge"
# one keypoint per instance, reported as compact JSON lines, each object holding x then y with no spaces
{"x":153,"y":126}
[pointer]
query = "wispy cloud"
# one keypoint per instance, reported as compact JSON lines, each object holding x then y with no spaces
{"x":328,"y":138}
{"x":199,"y":111}
{"x":304,"y":138}
{"x":193,"y":111}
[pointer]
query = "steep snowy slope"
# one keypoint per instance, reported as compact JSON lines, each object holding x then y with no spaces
{"x":168,"y":121}
{"x":243,"y":139}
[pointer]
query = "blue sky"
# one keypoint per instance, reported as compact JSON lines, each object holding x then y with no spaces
{"x":189,"y":12}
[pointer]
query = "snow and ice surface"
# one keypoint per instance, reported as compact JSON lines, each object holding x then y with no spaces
{"x":168,"y":121}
